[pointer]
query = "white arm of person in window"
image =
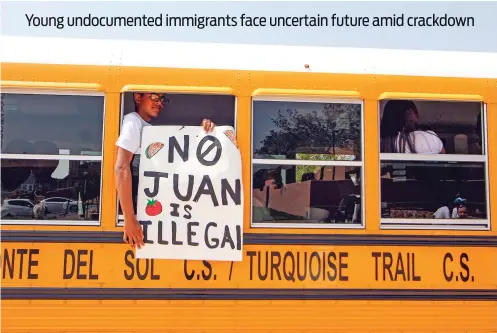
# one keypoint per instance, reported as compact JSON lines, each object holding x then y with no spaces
{"x":147,"y":106}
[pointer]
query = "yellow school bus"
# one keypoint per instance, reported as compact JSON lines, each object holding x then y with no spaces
{"x":369,"y":188}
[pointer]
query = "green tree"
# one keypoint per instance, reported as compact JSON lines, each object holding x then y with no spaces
{"x":335,"y":125}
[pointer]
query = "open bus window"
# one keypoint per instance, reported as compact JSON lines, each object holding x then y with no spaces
{"x":307,"y":163}
{"x":51,"y":158}
{"x":433,"y":165}
{"x":180,"y":109}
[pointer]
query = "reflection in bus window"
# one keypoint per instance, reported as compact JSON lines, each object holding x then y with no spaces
{"x":51,"y":158}
{"x":306,"y":194}
{"x":306,"y":163}
{"x":181,"y":109}
{"x":72,"y":123}
{"x":283,"y":129}
{"x":433,"y":164}
{"x":39,"y":189}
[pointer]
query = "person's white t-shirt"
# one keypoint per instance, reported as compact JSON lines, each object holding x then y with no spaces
{"x":442,"y":213}
{"x":425,"y":142}
{"x":131,"y":133}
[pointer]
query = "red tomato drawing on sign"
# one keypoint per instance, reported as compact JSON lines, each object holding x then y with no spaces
{"x":153,"y":208}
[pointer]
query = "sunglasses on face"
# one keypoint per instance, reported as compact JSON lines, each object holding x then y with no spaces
{"x":157,"y":98}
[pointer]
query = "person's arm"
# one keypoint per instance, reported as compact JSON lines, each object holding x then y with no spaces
{"x":123,"y":182}
{"x":128,"y":144}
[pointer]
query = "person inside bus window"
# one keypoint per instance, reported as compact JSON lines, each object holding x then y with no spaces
{"x":458,"y":202}
{"x":147,"y":107}
{"x":400,"y":131}
{"x":462,"y":211}
{"x":442,"y":213}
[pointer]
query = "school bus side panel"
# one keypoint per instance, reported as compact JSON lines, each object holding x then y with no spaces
{"x":248,"y":316}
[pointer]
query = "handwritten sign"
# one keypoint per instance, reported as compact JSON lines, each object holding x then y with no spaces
{"x":190,"y":195}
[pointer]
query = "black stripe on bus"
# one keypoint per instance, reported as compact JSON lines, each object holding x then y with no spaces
{"x":47,"y":236}
{"x":245,"y":294}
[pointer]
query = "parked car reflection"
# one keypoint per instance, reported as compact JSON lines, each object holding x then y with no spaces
{"x":17,"y":209}
{"x":59,"y":204}
{"x":71,"y":193}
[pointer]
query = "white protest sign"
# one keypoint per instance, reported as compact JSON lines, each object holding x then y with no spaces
{"x":190,"y":194}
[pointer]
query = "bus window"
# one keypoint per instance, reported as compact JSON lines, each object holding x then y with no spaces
{"x":181,"y":109}
{"x":51,"y":158}
{"x":433,"y":164}
{"x":307,"y":163}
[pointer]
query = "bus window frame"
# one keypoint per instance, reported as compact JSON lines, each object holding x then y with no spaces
{"x":171,"y":90}
{"x":331,"y":98}
{"x":59,"y":91}
{"x":416,"y":224}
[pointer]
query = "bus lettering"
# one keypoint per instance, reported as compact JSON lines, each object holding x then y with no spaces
{"x":399,"y":267}
{"x":144,"y":271}
{"x":461,"y":274}
{"x":205,"y":274}
{"x":15,"y":260}
{"x":80,"y":264}
{"x":465,"y":269}
{"x":289,"y":266}
{"x":448,"y":274}
{"x":275,"y":266}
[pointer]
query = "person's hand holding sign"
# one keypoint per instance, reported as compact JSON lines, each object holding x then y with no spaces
{"x":133,"y":232}
{"x":208,"y":125}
